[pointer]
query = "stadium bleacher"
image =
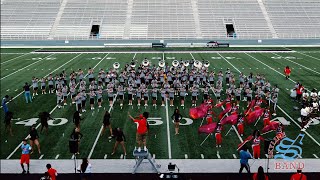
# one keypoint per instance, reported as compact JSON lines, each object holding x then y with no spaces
{"x":152,"y":19}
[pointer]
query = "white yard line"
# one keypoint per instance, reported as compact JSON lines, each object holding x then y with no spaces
{"x":105,"y":156}
{"x":41,"y":156}
{"x":186,"y":156}
{"x":14,"y":58}
{"x":192,"y":56}
{"x":23,"y":68}
{"x":277,"y":105}
{"x":100,"y":131}
{"x":218,"y":155}
{"x":54,"y":107}
{"x":273,"y":69}
{"x":57,"y":156}
{"x":304,"y":54}
{"x":315,"y":156}
{"x":72,"y":157}
{"x":298,"y":64}
{"x":134,"y":56}
{"x":48,"y":75}
{"x":234,"y":156}
{"x":168,"y":130}
{"x":163,"y":56}
{"x":202,"y":156}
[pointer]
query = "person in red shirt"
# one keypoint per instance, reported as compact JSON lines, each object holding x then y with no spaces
{"x":52,"y":172}
{"x":142,"y":131}
{"x":240,"y":125}
{"x":260,"y":175}
{"x":298,"y":176}
{"x":287,"y":72}
{"x":299,"y":91}
{"x":256,"y":140}
{"x":218,"y":135}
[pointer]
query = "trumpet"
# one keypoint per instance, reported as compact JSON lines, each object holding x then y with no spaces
{"x":145,"y":62}
{"x":161,"y":63}
{"x":175,"y":63}
{"x":116,"y":65}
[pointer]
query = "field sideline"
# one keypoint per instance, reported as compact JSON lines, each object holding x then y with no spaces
{"x":19,"y":65}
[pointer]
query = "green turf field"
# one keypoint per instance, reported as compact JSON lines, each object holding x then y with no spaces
{"x":19,"y":65}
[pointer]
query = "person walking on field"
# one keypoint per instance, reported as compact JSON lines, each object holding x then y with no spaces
{"x":287,"y":72}
{"x":25,"y":156}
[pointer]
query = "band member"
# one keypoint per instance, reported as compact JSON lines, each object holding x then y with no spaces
{"x":194,"y":94}
{"x":240,"y":125}
{"x":176,"y":117}
{"x":99,"y":96}
{"x":142,"y":131}
{"x":34,"y":139}
{"x":274,"y":101}
{"x":218,"y":136}
{"x":25,"y":156}
{"x":43,"y":85}
{"x":256,"y":140}
{"x":120,"y":91}
{"x":73,"y":93}
{"x":238,"y":95}
{"x":145,"y":92}
{"x":130,"y":94}
{"x":287,"y":72}
{"x":183,"y":93}
{"x":171,"y":95}
{"x":64,"y":92}
{"x":50,"y":83}
{"x":304,"y":112}
{"x":106,"y":124}
{"x":76,"y":135}
{"x":163,"y":96}
{"x":92,"y":95}
{"x":59,"y":98}
{"x":266,"y":117}
{"x":7,"y":120}
{"x":154,"y":94}
{"x":139,"y":95}
{"x":35,"y":86}
{"x":299,"y":91}
{"x":206,"y":93}
{"x":234,"y":108}
{"x":209,"y":114}
{"x":120,"y":139}
{"x":78,"y":100}
{"x":110,"y":93}
{"x":77,"y":119}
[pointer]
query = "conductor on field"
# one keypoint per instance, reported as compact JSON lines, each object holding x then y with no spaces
{"x":142,"y":131}
{"x":25,"y":155}
{"x":287,"y":72}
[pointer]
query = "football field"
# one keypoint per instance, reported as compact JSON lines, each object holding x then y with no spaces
{"x":20,"y":65}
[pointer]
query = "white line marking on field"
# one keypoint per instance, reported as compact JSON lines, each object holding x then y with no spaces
{"x":163,"y":56}
{"x":121,"y":157}
{"x":8,"y":90}
{"x":168,"y":129}
{"x":57,"y":156}
{"x":273,"y":69}
{"x":41,"y":156}
{"x":16,"y":90}
{"x":14,"y":58}
{"x":202,"y":156}
{"x":154,"y":156}
{"x":186,"y":156}
{"x":234,"y":156}
{"x":100,"y":131}
{"x":72,"y":157}
{"x":7,"y":69}
{"x":297,"y":64}
{"x":105,"y":156}
{"x":218,"y":155}
{"x":49,"y":74}
{"x":315,"y":156}
{"x":304,"y":54}
{"x":266,"y":155}
{"x":134,"y":56}
{"x":29,"y":135}
{"x":21,"y":69}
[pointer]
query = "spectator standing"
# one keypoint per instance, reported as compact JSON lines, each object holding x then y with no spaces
{"x":52,"y":172}
{"x":298,"y":176}
{"x":260,"y":175}
{"x":244,"y":159}
{"x":27,"y":94}
{"x":85,"y":169}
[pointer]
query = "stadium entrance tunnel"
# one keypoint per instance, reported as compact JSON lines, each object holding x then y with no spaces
{"x":230,"y":30}
{"x":95,"y":29}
